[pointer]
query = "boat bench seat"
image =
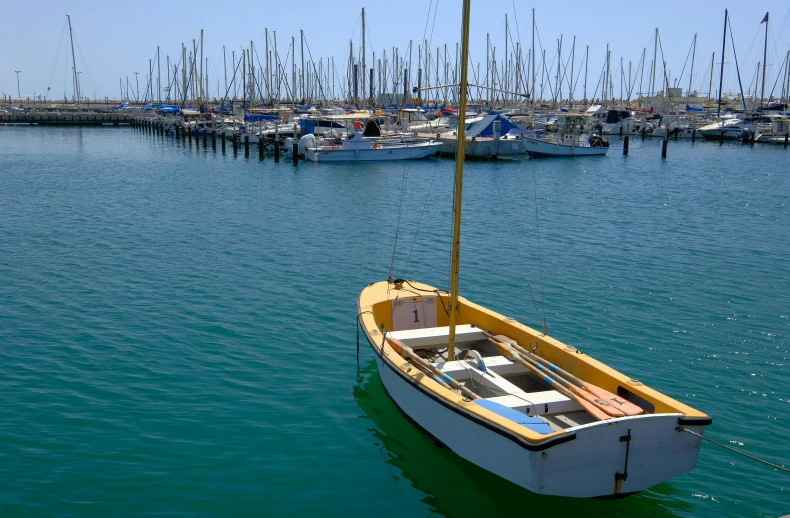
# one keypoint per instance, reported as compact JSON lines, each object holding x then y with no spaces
{"x":437,"y":336}
{"x":531,"y":403}
{"x":537,"y":403}
{"x":498,"y":364}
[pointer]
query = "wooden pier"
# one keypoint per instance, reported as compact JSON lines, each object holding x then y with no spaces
{"x":66,"y":119}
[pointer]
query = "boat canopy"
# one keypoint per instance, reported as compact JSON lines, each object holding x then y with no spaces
{"x":593,"y":109}
{"x":484,"y":127}
{"x":613,"y":116}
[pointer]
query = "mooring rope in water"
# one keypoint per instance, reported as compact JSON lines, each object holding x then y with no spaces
{"x":776,"y":466}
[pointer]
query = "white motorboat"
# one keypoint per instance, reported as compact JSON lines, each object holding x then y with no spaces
{"x":566,"y":141}
{"x":357,"y":148}
{"x":725,"y":129}
{"x":565,"y":146}
{"x":619,"y":122}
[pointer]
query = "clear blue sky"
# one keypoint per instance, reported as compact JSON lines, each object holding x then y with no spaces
{"x":116,"y":39}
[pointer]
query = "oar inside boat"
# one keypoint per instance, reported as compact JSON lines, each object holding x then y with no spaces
{"x":407,"y":352}
{"x":623,"y":406}
{"x":596,"y":409}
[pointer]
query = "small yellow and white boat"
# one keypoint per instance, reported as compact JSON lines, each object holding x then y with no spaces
{"x":488,"y":406}
{"x":513,"y":400}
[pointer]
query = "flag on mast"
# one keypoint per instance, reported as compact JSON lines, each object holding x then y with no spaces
{"x":765,"y":18}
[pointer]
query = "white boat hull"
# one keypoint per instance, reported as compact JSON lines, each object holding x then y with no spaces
{"x":383,"y":153}
{"x":539,"y":148}
{"x":724,"y":131}
{"x":583,"y":463}
{"x":484,"y":147}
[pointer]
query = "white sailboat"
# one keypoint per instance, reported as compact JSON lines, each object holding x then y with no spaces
{"x":513,"y":400}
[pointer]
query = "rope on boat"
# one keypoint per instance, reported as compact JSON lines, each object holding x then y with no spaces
{"x":542,"y":321}
{"x":775,"y":466}
{"x":358,"y":325}
{"x":422,"y":213}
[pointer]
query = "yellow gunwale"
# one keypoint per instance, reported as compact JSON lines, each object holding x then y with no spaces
{"x":375,"y":306}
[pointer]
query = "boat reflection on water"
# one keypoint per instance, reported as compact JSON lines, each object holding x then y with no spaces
{"x":456,"y":487}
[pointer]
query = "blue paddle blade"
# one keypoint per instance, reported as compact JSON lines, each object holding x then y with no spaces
{"x":536,"y":424}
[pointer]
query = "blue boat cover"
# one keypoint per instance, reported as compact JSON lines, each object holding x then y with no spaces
{"x":690,"y":108}
{"x":485,"y":126}
{"x":536,"y":424}
{"x":250,"y":117}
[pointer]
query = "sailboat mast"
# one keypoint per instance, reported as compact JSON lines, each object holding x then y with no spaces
{"x":765,"y":59}
{"x":721,"y":73}
{"x":533,"y":58}
{"x":691,"y":74}
{"x":363,"y":52}
{"x":558,"y":95}
{"x":507,"y":85}
{"x":74,"y":62}
{"x":200,"y":78}
{"x":573,"y":62}
{"x":158,"y":75}
{"x":586,"y":63}
{"x":459,"y":177}
{"x":655,"y":65}
{"x":268,"y":65}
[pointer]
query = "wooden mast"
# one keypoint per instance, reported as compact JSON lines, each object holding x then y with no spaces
{"x":459,"y":177}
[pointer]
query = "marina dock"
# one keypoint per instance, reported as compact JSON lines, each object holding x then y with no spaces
{"x":66,"y":119}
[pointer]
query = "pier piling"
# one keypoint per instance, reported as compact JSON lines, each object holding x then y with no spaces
{"x":222,"y":138}
{"x":205,"y":138}
{"x":213,"y":139}
{"x":694,"y":135}
{"x":277,"y":142}
{"x":786,"y":135}
{"x":664,"y":146}
{"x":246,"y":145}
{"x":260,"y":147}
{"x":625,"y":146}
{"x":235,"y":143}
{"x":295,"y":153}
{"x":189,"y":130}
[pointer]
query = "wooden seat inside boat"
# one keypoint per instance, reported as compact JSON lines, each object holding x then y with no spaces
{"x":498,"y":379}
{"x":428,"y":337}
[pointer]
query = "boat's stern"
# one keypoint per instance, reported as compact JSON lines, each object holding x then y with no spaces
{"x":618,"y":457}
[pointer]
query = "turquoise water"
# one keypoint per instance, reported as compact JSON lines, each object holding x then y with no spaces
{"x":177,"y":326}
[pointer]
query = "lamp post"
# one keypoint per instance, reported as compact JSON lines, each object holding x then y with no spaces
{"x":19,"y":95}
